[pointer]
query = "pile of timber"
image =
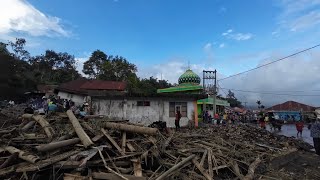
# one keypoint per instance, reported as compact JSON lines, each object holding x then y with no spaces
{"x":63,"y":147}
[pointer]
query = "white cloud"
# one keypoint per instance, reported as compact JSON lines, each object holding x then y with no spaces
{"x":237,"y":36}
{"x":299,"y":15}
{"x":306,"y":21}
{"x":221,"y":45}
{"x":20,"y":16}
{"x":208,"y":47}
{"x":79,"y":64}
{"x":294,"y":74}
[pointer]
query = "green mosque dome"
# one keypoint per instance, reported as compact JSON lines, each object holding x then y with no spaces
{"x":189,"y":77}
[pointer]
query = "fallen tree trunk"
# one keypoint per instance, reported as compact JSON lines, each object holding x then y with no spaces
{"x":22,"y":155}
{"x":10,"y":160}
{"x":27,"y":126}
{"x":110,"y":176}
{"x":251,"y":169}
{"x":176,"y":167}
{"x":43,"y":123}
{"x":46,"y":162}
{"x":57,"y":145}
{"x":85,"y":139}
{"x":131,"y":128}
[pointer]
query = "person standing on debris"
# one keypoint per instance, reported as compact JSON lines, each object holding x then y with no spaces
{"x":262,"y":122}
{"x":315,"y":134}
{"x":299,"y":127}
{"x":177,"y":120}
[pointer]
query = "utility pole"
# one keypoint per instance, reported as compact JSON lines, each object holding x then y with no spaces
{"x":210,"y":76}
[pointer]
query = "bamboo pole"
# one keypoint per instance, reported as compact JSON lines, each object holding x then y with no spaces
{"x":43,"y":123}
{"x":85,"y":139}
{"x":22,"y":155}
{"x":113,"y":142}
{"x":131,"y":128}
{"x":176,"y":167}
{"x":57,"y":145}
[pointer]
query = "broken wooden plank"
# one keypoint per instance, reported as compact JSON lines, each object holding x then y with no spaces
{"x":68,"y":176}
{"x":176,"y":167}
{"x":203,"y":157}
{"x":131,"y":128}
{"x":88,"y":127}
{"x":46,"y":162}
{"x":110,"y":176}
{"x":210,"y":162}
{"x":85,"y":139}
{"x":97,"y":137}
{"x":123,"y":141}
{"x":130,"y":147}
{"x":137,"y":169}
{"x":251,"y":169}
{"x":113,"y":142}
{"x":201,"y":169}
{"x":22,"y":154}
{"x":43,"y":123}
{"x":57,"y":145}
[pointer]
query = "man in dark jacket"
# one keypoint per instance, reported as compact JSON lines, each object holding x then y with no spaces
{"x":177,"y":120}
{"x":315,"y":134}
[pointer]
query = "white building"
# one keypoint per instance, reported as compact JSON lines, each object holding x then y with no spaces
{"x":109,"y":98}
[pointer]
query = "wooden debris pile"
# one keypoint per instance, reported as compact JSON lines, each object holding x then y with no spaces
{"x":63,"y":147}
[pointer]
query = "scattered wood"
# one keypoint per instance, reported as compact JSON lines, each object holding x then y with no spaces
{"x":252,"y":167}
{"x":27,"y":126}
{"x":57,"y":145}
{"x":43,"y":123}
{"x":131,"y":128}
{"x":85,"y":139}
{"x":201,"y":169}
{"x":176,"y":167}
{"x":110,"y":176}
{"x":113,"y":142}
{"x":12,"y":158}
{"x":137,"y":167}
{"x":22,"y":154}
{"x":123,"y":141}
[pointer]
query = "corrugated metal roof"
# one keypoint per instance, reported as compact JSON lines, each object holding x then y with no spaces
{"x":82,"y":86}
{"x":104,"y":85}
{"x":291,"y":106}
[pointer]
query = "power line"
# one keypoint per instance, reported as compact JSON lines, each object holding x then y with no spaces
{"x":269,"y":93}
{"x":281,"y":59}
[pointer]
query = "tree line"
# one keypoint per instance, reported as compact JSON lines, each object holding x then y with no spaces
{"x":21,"y":72}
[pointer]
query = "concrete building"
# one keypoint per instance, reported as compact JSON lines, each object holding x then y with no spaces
{"x":110,"y":99}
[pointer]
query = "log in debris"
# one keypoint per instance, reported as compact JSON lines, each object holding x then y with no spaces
{"x":131,"y":128}
{"x":128,"y":151}
{"x":85,"y":139}
{"x":22,"y":154}
{"x":57,"y":145}
{"x":43,"y":123}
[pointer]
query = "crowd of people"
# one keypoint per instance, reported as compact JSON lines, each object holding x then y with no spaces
{"x":224,"y":118}
{"x":53,"y":104}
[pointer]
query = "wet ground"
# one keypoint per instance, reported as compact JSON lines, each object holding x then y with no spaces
{"x":290,"y":131}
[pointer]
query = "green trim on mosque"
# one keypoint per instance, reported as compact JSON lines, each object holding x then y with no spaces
{"x":189,"y":82}
{"x":209,"y":100}
{"x":180,"y":89}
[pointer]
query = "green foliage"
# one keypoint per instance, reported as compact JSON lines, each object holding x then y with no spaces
{"x":93,"y":66}
{"x":233,"y":100}
{"x":54,"y":67}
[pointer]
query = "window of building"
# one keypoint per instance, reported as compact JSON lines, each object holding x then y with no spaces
{"x":178,"y":106}
{"x":143,"y":103}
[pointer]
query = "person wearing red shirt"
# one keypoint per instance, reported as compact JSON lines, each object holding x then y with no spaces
{"x":299,"y":127}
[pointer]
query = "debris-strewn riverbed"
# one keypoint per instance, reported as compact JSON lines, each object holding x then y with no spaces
{"x":60,"y":146}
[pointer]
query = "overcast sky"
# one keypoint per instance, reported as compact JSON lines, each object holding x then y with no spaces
{"x":162,"y":36}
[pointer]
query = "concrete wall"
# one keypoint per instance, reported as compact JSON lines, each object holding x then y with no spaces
{"x":78,"y":99}
{"x":128,"y":109}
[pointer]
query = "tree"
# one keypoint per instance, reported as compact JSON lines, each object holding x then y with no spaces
{"x":260,"y":106}
{"x":233,"y":100}
{"x":54,"y":67}
{"x":18,"y":49}
{"x":3,"y":49}
{"x":93,"y":66}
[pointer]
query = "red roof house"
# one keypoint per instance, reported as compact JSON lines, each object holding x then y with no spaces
{"x":291,"y":106}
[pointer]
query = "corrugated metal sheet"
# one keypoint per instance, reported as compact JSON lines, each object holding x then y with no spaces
{"x":104,"y":85}
{"x":291,"y":106}
{"x":82,"y":86}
